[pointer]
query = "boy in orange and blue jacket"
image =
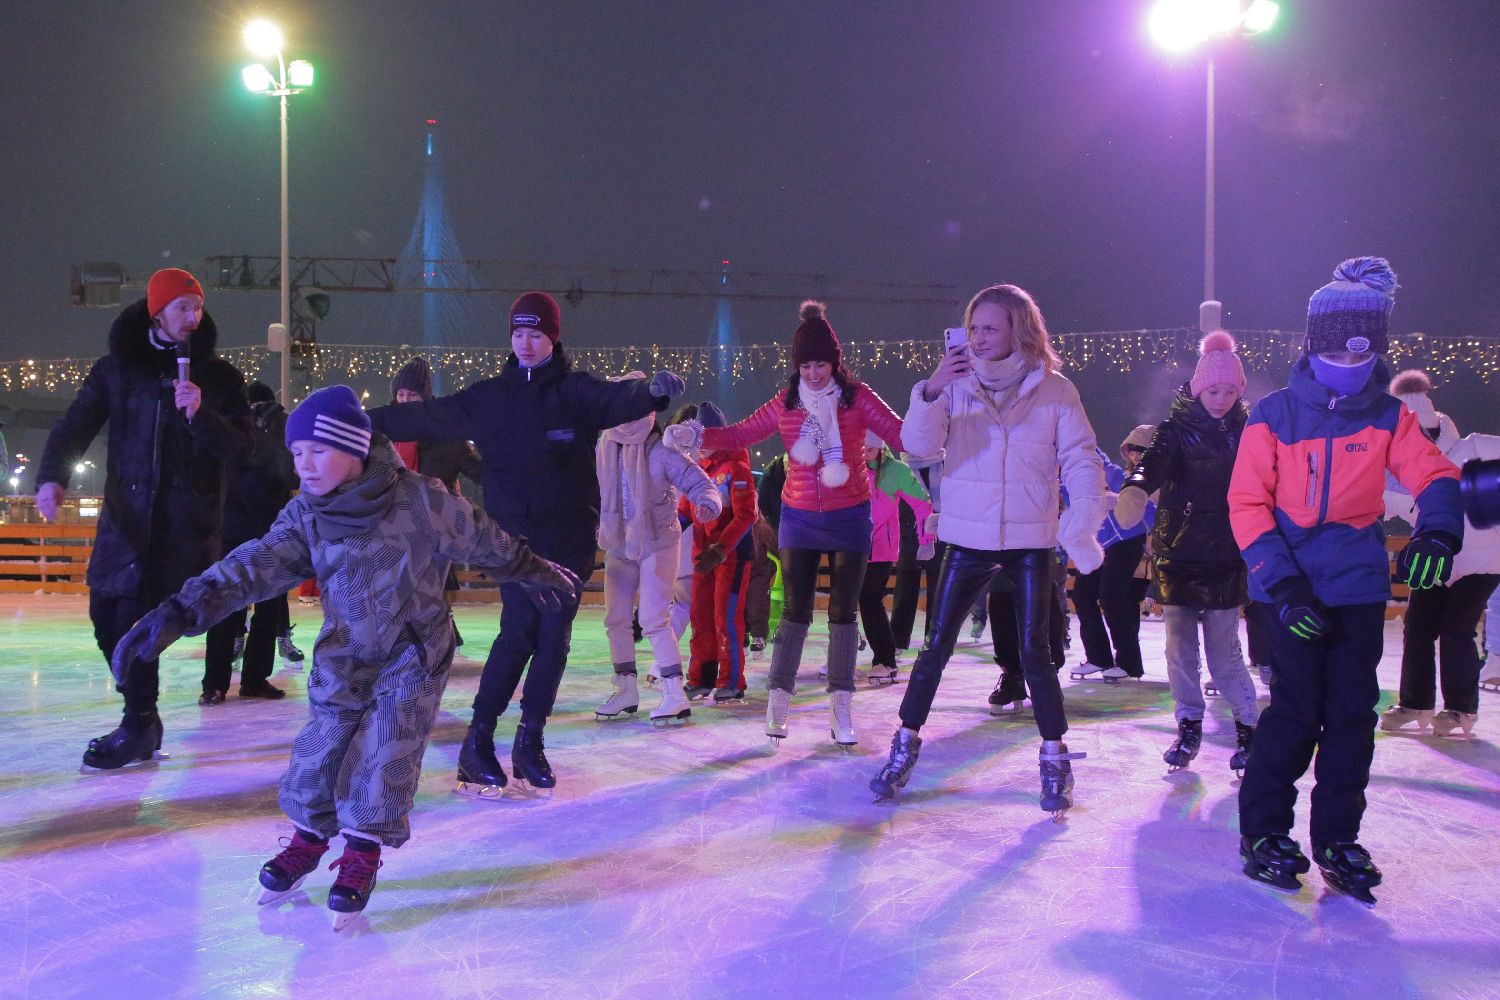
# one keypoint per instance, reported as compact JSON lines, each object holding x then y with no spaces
{"x":1305,"y":503}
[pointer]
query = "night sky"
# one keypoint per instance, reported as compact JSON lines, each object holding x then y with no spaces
{"x":1046,"y":144}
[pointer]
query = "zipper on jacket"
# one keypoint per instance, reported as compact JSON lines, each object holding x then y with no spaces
{"x":1312,"y":481}
{"x":1327,"y":479}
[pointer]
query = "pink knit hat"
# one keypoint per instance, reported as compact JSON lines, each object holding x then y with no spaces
{"x":1218,"y":365}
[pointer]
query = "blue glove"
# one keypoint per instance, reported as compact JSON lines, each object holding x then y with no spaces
{"x":1299,"y":610}
{"x":1427,"y":560}
{"x":666,"y":385}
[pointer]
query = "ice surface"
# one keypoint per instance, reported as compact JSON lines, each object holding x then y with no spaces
{"x":695,"y":862}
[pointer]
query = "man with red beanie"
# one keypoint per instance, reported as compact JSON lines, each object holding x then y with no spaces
{"x":536,"y":425}
{"x":171,"y":443}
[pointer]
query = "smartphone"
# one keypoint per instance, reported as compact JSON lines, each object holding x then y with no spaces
{"x":955,"y":336}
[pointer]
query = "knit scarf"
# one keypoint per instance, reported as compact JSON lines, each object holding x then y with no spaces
{"x":819,"y":436}
{"x":624,"y":469}
{"x":358,"y":506}
{"x":997,"y":382}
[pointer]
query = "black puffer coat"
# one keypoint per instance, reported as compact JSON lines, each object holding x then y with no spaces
{"x":1198,"y":564}
{"x":261,"y":484}
{"x":164,"y":491}
{"x":536,"y":430}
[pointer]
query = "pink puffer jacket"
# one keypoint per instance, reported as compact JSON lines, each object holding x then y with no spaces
{"x":804,"y":490}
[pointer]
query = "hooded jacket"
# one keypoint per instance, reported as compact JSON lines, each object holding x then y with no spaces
{"x":673,"y":476}
{"x":1305,"y":494}
{"x":1191,"y":458}
{"x":536,"y":430}
{"x":166,"y":477}
{"x":890,"y":487}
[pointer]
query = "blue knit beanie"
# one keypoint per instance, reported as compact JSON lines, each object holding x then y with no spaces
{"x":710,"y":415}
{"x":1351,"y":312}
{"x":333,"y":416}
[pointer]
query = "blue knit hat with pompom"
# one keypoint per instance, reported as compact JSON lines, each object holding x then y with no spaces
{"x":1351,"y":312}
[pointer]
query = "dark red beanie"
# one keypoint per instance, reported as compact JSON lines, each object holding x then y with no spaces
{"x":167,"y":284}
{"x":815,"y":339}
{"x":539,"y":311}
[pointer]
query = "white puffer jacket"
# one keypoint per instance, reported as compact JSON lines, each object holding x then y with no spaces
{"x":1000,"y":480}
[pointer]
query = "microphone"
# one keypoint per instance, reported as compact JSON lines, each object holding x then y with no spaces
{"x":182,"y":364}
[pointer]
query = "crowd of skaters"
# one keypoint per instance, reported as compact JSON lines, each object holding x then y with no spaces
{"x":992,"y":478}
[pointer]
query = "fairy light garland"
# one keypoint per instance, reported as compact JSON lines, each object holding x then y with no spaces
{"x":1122,"y":351}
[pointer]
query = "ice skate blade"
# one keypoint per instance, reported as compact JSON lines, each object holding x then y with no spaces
{"x":342,"y":921}
{"x":667,"y":721}
{"x":1007,"y":708}
{"x":1174,"y":768}
{"x":1280,"y":881}
{"x":605,"y":717}
{"x":775,"y":740}
{"x":1058,"y":815}
{"x":1360,"y":894}
{"x":475,"y":790}
{"x":1492,"y":684}
{"x":527,"y":789}
{"x":1211,"y":690}
{"x":269,"y":896}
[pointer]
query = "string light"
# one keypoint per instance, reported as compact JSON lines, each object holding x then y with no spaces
{"x":1121,"y":351}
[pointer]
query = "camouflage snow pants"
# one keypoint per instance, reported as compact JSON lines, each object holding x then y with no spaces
{"x":356,"y":763}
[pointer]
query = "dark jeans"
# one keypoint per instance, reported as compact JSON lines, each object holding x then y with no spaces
{"x":112,"y":617}
{"x":1111,"y":596}
{"x":527,"y":635}
{"x":872,"y":614}
{"x":799,"y":579}
{"x":965,"y":574}
{"x":1448,"y":617}
{"x":910,"y":579}
{"x":1323,"y":696}
{"x":270,"y":620}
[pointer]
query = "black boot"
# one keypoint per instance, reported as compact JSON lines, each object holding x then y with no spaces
{"x":1185,"y":747}
{"x":137,"y":737}
{"x":477,"y":764}
{"x":527,"y":758}
{"x":1244,"y":736}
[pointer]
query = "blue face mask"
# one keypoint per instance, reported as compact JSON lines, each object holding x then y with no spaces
{"x":1341,"y":380}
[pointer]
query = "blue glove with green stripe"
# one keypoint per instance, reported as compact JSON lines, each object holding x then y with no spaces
{"x":1299,"y":610}
{"x":1427,"y":560}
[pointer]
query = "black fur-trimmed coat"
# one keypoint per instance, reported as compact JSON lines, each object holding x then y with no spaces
{"x":164,"y":492}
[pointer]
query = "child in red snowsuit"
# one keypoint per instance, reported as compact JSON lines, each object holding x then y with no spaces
{"x":723,"y":556}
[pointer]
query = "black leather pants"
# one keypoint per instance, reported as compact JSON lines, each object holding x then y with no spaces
{"x":964,"y":575}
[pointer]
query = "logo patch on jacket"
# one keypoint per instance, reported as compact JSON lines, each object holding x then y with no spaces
{"x":1357,"y":446}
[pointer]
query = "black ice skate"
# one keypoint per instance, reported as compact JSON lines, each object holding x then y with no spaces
{"x":137,"y":737}
{"x":286,"y":872}
{"x":1244,"y":736}
{"x":1274,"y":860}
{"x":728,"y":695}
{"x":285,"y":647}
{"x":527,"y":758}
{"x":1347,"y":868}
{"x":1185,"y":747}
{"x":1057,"y":777}
{"x":479,"y":773}
{"x":906,"y":747}
{"x":1009,"y":693}
{"x":882,"y":674}
{"x":704,"y":685}
{"x":351,"y":890}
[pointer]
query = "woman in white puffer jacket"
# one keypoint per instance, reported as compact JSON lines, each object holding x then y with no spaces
{"x":1009,"y":423}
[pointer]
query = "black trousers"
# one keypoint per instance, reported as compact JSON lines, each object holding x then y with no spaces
{"x":965,"y":574}
{"x":911,"y":577}
{"x":1108,"y":602}
{"x":873,"y":616}
{"x":1323,"y":696}
{"x":799,"y":579}
{"x":532,"y":643}
{"x":1445,"y":617}
{"x":1260,"y":625}
{"x":112,"y":617}
{"x":270,"y":619}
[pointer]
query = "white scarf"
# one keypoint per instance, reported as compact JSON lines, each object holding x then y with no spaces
{"x":998,"y":381}
{"x":819,"y":435}
{"x":625,"y":489}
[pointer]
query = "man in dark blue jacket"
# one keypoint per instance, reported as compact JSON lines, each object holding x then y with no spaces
{"x":536,"y":425}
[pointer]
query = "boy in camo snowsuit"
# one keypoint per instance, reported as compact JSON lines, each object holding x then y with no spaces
{"x":379,"y":539}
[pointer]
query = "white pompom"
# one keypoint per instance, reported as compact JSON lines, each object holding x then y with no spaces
{"x":804,"y":452}
{"x":834,"y":474}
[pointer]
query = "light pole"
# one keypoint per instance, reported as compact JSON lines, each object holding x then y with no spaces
{"x":1179,"y":25}
{"x":264,"y":39}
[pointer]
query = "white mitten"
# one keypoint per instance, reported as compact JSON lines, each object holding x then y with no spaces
{"x":1087,"y":556}
{"x":1131,"y":507}
{"x":930,"y":526}
{"x":686,"y":437}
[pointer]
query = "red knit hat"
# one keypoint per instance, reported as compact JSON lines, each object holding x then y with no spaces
{"x":815,"y":339}
{"x":167,"y":284}
{"x":539,"y":311}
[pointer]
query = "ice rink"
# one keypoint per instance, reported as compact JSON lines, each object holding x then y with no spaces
{"x":697,"y":862}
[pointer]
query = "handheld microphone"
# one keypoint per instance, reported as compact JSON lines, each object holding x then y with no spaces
{"x":182,"y":366}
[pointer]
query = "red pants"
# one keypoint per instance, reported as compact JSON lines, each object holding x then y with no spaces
{"x":718,"y":617}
